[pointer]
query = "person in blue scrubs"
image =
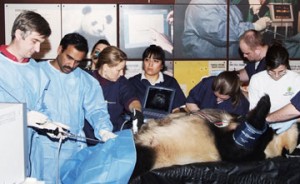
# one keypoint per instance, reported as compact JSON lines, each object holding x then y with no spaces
{"x":72,"y":96}
{"x":23,"y":81}
{"x":254,"y":50}
{"x":205,"y":28}
{"x":117,"y":90}
{"x":152,"y":75}
{"x":219,"y":92}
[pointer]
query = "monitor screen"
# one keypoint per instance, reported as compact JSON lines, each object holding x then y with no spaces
{"x":158,"y":98}
{"x":281,"y":12}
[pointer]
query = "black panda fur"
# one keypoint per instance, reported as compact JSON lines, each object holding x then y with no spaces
{"x":256,"y":118}
{"x":188,"y":138}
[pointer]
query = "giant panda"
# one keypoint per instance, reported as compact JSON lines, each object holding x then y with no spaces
{"x":96,"y":25}
{"x":209,"y":135}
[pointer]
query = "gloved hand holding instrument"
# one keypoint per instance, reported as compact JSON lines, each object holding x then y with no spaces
{"x":262,"y":23}
{"x":67,"y":134}
{"x":40,"y":122}
{"x":58,"y":130}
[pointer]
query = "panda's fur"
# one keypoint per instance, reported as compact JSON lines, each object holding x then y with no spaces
{"x":188,"y":138}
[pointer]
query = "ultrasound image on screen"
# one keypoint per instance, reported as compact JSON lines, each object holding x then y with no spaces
{"x":159,"y":99}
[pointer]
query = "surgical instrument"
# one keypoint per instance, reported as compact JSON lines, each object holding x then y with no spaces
{"x":69,"y":135}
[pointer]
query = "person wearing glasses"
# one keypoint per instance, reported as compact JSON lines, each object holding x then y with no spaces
{"x":278,"y":81}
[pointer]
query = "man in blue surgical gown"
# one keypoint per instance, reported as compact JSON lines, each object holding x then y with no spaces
{"x":205,"y":28}
{"x":72,"y":96}
{"x":22,"y":80}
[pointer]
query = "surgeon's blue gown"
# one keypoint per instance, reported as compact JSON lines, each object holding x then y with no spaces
{"x":205,"y":29}
{"x":24,"y":83}
{"x":69,"y":99}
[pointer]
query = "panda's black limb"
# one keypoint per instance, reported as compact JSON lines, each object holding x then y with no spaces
{"x":257,"y":116}
{"x":145,"y":160}
{"x":231,"y":151}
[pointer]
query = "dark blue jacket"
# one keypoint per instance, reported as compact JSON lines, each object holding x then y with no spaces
{"x":203,"y":96}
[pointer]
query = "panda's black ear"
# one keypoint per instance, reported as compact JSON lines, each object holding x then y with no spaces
{"x":109,"y":19}
{"x":86,"y":10}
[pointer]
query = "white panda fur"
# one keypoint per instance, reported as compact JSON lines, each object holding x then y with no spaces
{"x":183,"y":139}
{"x":287,"y":140}
{"x":172,"y":137}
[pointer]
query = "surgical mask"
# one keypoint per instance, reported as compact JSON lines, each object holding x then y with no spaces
{"x":96,"y":55}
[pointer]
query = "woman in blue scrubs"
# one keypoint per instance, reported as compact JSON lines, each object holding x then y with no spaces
{"x":219,"y":92}
{"x":152,"y":75}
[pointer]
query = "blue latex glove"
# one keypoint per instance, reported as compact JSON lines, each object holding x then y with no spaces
{"x":282,"y":126}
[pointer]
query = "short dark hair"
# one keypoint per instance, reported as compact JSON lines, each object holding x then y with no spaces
{"x":79,"y":42}
{"x":101,"y":41}
{"x":277,"y":55}
{"x":157,"y":52}
{"x":32,"y":22}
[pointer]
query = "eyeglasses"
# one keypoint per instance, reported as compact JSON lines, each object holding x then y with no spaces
{"x":278,"y":74}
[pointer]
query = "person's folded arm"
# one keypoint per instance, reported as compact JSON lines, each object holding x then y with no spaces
{"x":285,"y":113}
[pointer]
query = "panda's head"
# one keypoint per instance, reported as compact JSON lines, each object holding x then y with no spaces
{"x":93,"y":23}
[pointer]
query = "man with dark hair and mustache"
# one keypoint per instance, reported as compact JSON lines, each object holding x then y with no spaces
{"x":72,"y":96}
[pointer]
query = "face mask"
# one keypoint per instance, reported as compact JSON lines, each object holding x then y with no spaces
{"x":96,"y":55}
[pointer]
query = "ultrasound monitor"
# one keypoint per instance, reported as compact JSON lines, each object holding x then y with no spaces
{"x":158,"y":102}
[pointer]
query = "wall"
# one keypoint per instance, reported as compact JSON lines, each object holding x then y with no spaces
{"x":2,"y":23}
